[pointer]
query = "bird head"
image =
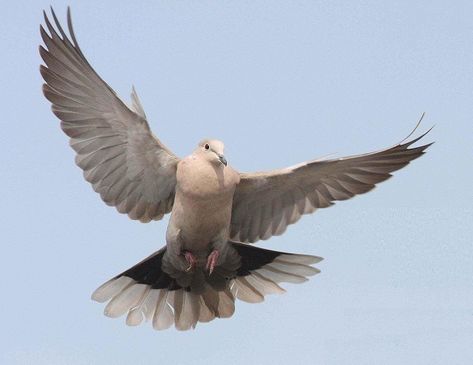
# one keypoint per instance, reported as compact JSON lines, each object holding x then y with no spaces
{"x":212,"y":151}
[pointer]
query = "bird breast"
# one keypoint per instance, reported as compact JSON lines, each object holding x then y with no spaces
{"x":201,"y":180}
{"x":203,"y":201}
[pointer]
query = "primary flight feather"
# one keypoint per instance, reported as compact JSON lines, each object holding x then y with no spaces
{"x":215,"y":210}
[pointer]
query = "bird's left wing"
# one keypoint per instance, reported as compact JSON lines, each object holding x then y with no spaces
{"x":266,"y":203}
{"x":129,"y":167}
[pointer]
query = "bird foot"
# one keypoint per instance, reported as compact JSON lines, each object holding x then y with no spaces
{"x":191,"y":260}
{"x":212,"y":261}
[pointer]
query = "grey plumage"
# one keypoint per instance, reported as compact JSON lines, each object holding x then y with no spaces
{"x":215,"y":210}
{"x":129,"y":167}
{"x":266,"y":203}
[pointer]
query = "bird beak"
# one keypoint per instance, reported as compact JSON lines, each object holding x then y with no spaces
{"x":222,"y":159}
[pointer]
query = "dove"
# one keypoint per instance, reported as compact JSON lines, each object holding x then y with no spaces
{"x":207,"y":261}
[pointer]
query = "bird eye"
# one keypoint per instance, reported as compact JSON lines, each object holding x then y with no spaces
{"x":206,"y":146}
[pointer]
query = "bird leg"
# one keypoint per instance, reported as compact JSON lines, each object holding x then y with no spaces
{"x":191,"y":260}
{"x":212,"y":261}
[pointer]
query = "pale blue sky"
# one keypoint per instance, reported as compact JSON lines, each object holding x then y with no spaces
{"x":280,"y":82}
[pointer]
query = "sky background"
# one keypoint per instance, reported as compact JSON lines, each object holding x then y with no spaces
{"x":280,"y":82}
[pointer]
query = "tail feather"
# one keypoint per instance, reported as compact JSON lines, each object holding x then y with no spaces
{"x":163,"y":317}
{"x":111,"y":288}
{"x":150,"y":304}
{"x":134,"y":317}
{"x":205,"y":314}
{"x":246,"y":292}
{"x":293,"y":268}
{"x":147,"y":293}
{"x":263,"y":285}
{"x":128,"y":298}
{"x":136,"y":314}
{"x":186,"y":309}
{"x":279,"y":276}
{"x":299,"y":259}
{"x":226,"y":304}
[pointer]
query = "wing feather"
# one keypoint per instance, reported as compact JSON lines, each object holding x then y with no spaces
{"x":265,"y":203}
{"x":129,"y":167}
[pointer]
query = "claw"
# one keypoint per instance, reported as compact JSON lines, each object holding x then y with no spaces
{"x":212,"y":261}
{"x":191,"y":259}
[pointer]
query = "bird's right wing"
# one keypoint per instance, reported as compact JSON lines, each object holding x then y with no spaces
{"x":130,"y":168}
{"x":266,"y":203}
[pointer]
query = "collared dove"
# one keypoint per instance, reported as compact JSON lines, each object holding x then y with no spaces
{"x":215,"y":211}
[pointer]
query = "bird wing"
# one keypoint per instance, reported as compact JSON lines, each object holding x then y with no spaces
{"x":129,"y":167}
{"x":265,"y":203}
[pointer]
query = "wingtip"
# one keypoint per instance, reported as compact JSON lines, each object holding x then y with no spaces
{"x":47,"y":91}
{"x":69,"y":16}
{"x":45,"y":17}
{"x":42,"y":50}
{"x":43,"y":69}
{"x":52,"y":10}
{"x":415,"y":128}
{"x":429,"y":129}
{"x":407,"y":143}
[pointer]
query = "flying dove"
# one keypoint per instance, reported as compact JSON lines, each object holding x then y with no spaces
{"x":216,"y":212}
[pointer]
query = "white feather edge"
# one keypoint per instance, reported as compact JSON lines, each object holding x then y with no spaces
{"x":299,"y":259}
{"x":163,"y":316}
{"x":125,"y":300}
{"x":111,"y":288}
{"x":136,"y":314}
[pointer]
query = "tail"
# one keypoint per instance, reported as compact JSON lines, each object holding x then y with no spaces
{"x":146,"y":292}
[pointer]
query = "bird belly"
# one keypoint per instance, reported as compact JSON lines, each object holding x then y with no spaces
{"x":201,"y":222}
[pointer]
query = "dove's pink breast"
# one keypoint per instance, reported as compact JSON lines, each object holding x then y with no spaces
{"x":201,"y":180}
{"x":203,"y":202}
